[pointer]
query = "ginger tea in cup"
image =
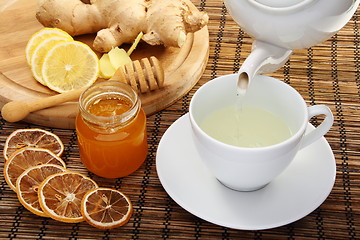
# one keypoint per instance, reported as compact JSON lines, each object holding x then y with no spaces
{"x":248,"y":142}
{"x":246,"y":126}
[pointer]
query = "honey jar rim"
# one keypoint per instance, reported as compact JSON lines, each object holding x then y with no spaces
{"x":103,"y":88}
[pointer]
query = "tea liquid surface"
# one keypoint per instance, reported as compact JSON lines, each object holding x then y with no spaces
{"x":246,"y":126}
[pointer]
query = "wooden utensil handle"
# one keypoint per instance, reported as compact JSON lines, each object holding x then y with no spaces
{"x":17,"y":110}
{"x":55,"y":99}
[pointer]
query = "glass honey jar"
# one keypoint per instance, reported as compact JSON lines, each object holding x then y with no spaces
{"x":111,"y":130}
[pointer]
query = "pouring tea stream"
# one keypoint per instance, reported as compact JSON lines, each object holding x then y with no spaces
{"x":281,"y":26}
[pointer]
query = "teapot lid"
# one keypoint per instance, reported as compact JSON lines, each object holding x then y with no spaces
{"x":282,"y":4}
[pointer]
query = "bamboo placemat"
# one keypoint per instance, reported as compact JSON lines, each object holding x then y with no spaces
{"x":328,"y":73}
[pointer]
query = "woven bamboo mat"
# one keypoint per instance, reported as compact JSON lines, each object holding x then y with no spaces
{"x":328,"y":73}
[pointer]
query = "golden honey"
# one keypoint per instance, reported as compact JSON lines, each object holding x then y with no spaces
{"x":111,"y":130}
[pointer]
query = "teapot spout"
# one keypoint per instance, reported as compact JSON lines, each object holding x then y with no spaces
{"x":264,"y":58}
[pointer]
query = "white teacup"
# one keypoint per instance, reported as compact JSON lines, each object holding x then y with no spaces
{"x":246,"y":168}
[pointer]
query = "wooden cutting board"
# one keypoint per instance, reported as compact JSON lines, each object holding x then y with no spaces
{"x":183,"y":67}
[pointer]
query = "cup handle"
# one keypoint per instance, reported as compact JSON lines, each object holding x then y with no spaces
{"x":322,"y":129}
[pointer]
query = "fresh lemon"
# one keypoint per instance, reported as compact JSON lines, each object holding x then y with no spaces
{"x":40,"y":36}
{"x":69,"y":66}
{"x":40,"y":52}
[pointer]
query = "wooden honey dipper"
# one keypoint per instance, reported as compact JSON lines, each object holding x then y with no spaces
{"x":143,"y":76}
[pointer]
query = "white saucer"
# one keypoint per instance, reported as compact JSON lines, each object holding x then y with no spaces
{"x":298,"y":191}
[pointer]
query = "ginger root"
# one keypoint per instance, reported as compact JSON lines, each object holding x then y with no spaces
{"x":116,"y":22}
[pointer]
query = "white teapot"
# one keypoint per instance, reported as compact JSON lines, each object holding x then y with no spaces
{"x":281,"y":26}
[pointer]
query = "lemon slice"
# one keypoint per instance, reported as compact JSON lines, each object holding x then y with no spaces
{"x":27,"y":185}
{"x":69,"y":66}
{"x":60,"y":195}
{"x":39,"y":36}
{"x":40,"y":52}
{"x":34,"y":137}
{"x":26,"y":158}
{"x":106,"y":208}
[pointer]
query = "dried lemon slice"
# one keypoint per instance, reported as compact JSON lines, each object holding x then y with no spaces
{"x":60,"y":195}
{"x":34,"y":137}
{"x":25,"y":158}
{"x":27,"y":185}
{"x":69,"y":66}
{"x":40,"y":36}
{"x":106,"y":208}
